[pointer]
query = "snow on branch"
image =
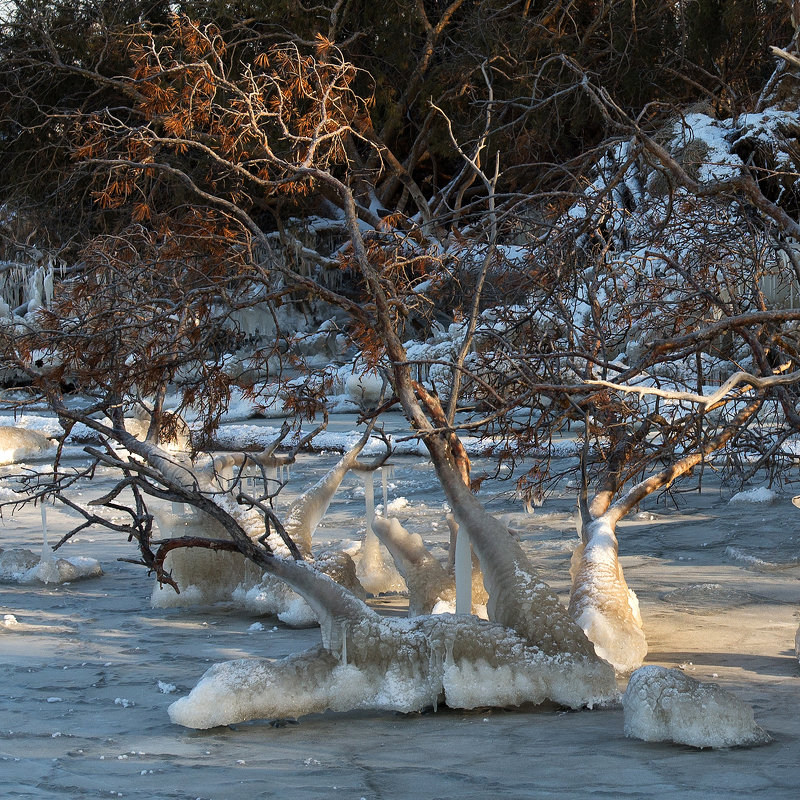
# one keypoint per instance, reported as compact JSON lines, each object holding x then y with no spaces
{"x":706,"y":401}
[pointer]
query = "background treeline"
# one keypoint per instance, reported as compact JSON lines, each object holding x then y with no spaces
{"x":654,"y":58}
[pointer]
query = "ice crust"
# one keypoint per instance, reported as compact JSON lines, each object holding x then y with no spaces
{"x":601,"y":602}
{"x":663,"y":704}
{"x":397,"y":665}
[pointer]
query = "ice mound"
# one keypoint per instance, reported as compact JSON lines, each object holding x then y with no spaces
{"x":667,"y":705}
{"x":758,"y":495}
{"x":449,"y":607}
{"x":272,"y":597}
{"x":601,"y":602}
{"x":395,"y":665}
{"x":15,"y":563}
{"x":17,"y":444}
{"x":364,"y":389}
{"x":24,"y":566}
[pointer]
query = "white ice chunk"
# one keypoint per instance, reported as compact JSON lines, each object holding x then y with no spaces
{"x":761,"y":494}
{"x":663,"y":704}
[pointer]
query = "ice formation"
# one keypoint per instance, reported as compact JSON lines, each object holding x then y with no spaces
{"x":427,"y":580}
{"x":364,"y":389}
{"x":760,"y":494}
{"x":375,"y":575}
{"x":667,"y":705}
{"x":17,"y":444}
{"x":368,"y":661}
{"x":271,"y":596}
{"x":601,"y":602}
{"x":431,"y":588}
{"x":535,"y":653}
{"x":205,"y":576}
{"x":518,"y":598}
{"x":307,"y":511}
{"x":20,"y":565}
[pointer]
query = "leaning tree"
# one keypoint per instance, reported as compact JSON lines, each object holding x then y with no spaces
{"x":205,"y":171}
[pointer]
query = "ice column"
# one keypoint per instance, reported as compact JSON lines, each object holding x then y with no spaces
{"x":46,"y":551}
{"x":371,"y":543}
{"x":387,"y":472}
{"x":463,"y":572}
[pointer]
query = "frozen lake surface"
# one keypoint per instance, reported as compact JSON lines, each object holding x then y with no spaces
{"x":88,"y":669}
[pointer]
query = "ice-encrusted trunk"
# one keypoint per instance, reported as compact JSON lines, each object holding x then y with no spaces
{"x":427,"y":580}
{"x":368,"y":661}
{"x":600,"y":600}
{"x":518,"y":598}
{"x":309,"y":508}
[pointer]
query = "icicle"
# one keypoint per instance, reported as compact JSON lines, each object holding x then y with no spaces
{"x":226,"y":477}
{"x":578,"y":523}
{"x":371,"y":543}
{"x":46,"y":550}
{"x":48,"y":286}
{"x":387,"y":471}
{"x":463,"y":571}
{"x":344,"y":643}
{"x":448,"y":656}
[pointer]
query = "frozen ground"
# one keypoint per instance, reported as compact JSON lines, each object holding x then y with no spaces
{"x":87,"y":669}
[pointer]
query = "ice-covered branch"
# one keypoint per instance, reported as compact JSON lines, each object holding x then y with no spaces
{"x":706,"y":401}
